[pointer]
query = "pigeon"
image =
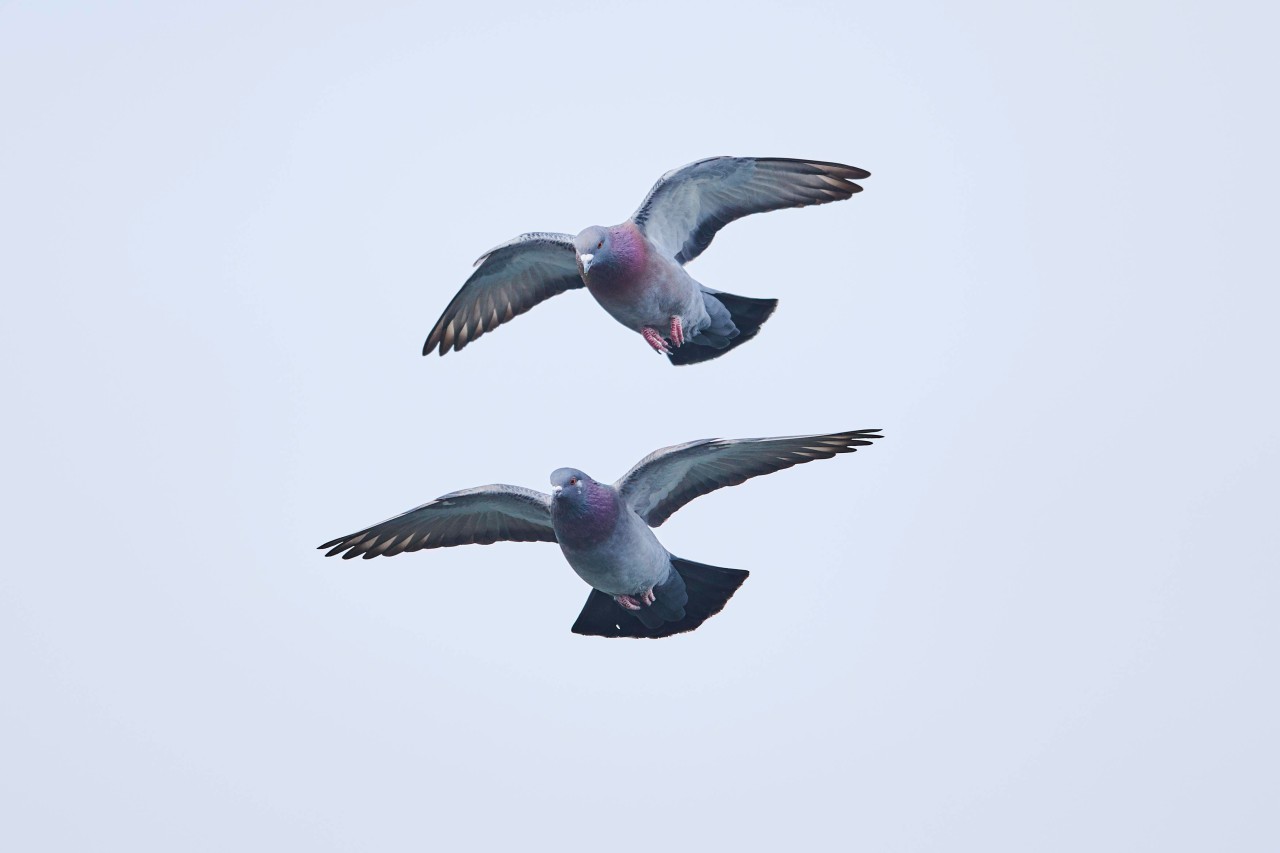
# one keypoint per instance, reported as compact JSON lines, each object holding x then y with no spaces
{"x":638,"y":588}
{"x":636,"y":270}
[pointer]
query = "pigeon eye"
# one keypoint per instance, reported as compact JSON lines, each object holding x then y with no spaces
{"x":600,"y":245}
{"x":573,"y":481}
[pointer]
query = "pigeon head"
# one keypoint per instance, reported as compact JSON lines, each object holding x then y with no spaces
{"x":569,"y":486}
{"x":594,"y":247}
{"x":583,"y":511}
{"x":610,"y":255}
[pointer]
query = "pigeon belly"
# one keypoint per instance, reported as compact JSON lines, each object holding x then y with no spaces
{"x":628,"y":561}
{"x":658,"y":292}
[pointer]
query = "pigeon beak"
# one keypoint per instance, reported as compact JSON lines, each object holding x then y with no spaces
{"x":586,"y":262}
{"x":555,"y":491}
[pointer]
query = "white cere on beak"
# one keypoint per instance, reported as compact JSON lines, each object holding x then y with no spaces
{"x":555,"y":490}
{"x":586,"y":262}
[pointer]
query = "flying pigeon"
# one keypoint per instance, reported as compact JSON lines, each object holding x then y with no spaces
{"x":636,"y":270}
{"x":638,"y":588}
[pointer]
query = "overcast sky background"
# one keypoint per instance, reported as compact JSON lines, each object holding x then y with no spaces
{"x":1040,"y":615}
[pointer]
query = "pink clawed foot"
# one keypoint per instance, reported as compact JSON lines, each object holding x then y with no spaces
{"x":631,"y":602}
{"x":677,"y":332}
{"x":655,"y":340}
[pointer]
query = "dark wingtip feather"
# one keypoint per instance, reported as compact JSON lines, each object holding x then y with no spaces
{"x":838,"y":170}
{"x":853,"y":439}
{"x":433,"y":339}
{"x":332,"y":542}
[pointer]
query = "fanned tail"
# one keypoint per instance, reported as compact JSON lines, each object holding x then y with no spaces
{"x":748,"y":315}
{"x":692,"y":594}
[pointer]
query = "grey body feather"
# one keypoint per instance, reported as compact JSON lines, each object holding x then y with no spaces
{"x":668,"y":291}
{"x":627,"y":561}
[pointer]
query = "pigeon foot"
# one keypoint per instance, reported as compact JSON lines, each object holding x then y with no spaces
{"x":635,"y":602}
{"x":655,"y":340}
{"x":677,"y":332}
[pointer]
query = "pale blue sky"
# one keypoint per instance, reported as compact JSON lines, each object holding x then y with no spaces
{"x":1040,"y":615}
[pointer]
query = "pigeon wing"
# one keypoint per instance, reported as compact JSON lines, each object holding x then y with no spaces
{"x":669,"y":478}
{"x":482,"y":516}
{"x":687,"y":206}
{"x":509,"y":280}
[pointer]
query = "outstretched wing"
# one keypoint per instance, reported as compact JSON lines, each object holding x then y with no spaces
{"x":669,"y":478}
{"x":509,"y":280}
{"x":482,"y":516}
{"x":687,"y":206}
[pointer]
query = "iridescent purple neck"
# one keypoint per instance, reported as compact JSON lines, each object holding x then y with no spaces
{"x":587,"y":521}
{"x":627,"y":256}
{"x":628,"y":243}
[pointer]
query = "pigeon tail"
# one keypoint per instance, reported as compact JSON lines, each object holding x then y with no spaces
{"x":748,"y":316}
{"x":691,"y":595}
